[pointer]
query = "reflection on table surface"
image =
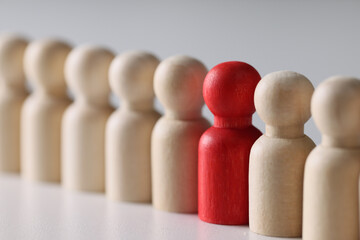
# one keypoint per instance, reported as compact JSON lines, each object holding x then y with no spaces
{"x":47,"y":211}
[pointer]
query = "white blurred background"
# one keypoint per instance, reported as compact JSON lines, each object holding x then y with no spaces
{"x":316,"y":38}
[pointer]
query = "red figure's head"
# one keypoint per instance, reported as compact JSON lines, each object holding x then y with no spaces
{"x":229,"y":90}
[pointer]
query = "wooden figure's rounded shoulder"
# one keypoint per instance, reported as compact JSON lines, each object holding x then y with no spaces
{"x":11,"y":99}
{"x":30,"y":104}
{"x":333,"y":159}
{"x":276,"y":144}
{"x":165,"y":121}
{"x":268,"y":150}
{"x":44,"y":110}
{"x":119,"y":119}
{"x":133,"y":114}
{"x":174,"y":127}
{"x":45,"y":102}
{"x":81,"y":113}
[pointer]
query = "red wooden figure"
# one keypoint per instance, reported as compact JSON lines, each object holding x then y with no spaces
{"x":225,"y":147}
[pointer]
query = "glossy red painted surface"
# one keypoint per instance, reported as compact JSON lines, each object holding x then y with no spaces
{"x":224,"y":148}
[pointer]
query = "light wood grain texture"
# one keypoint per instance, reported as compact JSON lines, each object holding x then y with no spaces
{"x":225,"y":147}
{"x":43,"y":109}
{"x":12,"y":96}
{"x":129,"y":128}
{"x":178,"y":85}
{"x":331,"y":181}
{"x":83,"y":133}
{"x":277,"y":158}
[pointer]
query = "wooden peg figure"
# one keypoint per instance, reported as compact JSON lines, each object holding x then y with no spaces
{"x":43,"y":109}
{"x":277,"y":158}
{"x":12,"y":95}
{"x":128,"y":132}
{"x":331,"y":181}
{"x":225,"y":147}
{"x":83,"y":133}
{"x":178,"y":86}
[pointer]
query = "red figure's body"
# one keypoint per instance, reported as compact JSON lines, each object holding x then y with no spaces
{"x":224,"y":148}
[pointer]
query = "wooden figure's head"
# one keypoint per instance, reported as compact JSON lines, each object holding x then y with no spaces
{"x":335,"y":107}
{"x":44,"y":64}
{"x":282,"y":100}
{"x":131,"y":78}
{"x":12,"y":50}
{"x":178,"y":85}
{"x":86,"y":71}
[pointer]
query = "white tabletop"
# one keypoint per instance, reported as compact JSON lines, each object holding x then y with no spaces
{"x":46,"y":211}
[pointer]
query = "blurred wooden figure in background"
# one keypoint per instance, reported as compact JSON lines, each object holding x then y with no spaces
{"x":12,"y":95}
{"x":331,"y":180}
{"x":83,"y":126}
{"x":43,"y":110}
{"x":178,"y":85}
{"x":128,"y":132}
